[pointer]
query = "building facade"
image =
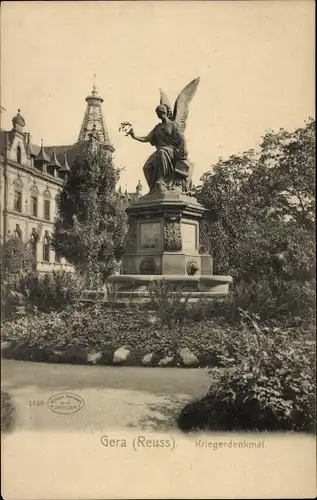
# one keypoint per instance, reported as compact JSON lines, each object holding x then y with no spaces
{"x":30,"y":180}
{"x":31,"y":177}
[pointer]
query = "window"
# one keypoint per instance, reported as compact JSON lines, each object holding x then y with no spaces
{"x":18,"y":201}
{"x":57,"y":257}
{"x":46,"y":249}
{"x":19,"y":153}
{"x":47,"y":209}
{"x":34,"y":206}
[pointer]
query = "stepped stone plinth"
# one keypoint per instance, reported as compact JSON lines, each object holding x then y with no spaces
{"x":163,"y":242}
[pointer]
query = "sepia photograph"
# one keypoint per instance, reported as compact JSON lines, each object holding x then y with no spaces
{"x":158,"y":249}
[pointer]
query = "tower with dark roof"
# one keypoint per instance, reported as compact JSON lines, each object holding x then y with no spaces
{"x":93,"y":122}
{"x":18,"y":123}
{"x":54,"y":165}
{"x":65,"y":169}
{"x":42,"y":159}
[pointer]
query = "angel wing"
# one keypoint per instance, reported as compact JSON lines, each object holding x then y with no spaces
{"x":181,"y":107}
{"x":165,"y":100}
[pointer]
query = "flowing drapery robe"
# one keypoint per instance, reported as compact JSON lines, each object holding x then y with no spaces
{"x":170,"y":148}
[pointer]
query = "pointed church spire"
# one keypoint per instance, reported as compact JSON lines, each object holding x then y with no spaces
{"x":94,"y":121}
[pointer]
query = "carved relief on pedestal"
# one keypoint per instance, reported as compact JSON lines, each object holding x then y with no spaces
{"x":131,"y":238}
{"x":172,"y":234}
{"x":150,"y":235}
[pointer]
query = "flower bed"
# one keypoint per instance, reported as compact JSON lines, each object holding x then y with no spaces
{"x":94,"y":334}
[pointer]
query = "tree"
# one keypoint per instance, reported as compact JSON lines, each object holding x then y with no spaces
{"x":287,"y":166}
{"x":16,"y":260}
{"x":262,"y":208}
{"x":90,"y":224}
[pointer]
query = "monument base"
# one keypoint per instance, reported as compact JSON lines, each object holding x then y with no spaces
{"x":163,"y":244}
{"x":134,"y":288}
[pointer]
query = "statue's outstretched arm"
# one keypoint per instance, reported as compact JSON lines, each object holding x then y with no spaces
{"x":128,"y":129}
{"x":140,"y":139}
{"x":145,"y":138}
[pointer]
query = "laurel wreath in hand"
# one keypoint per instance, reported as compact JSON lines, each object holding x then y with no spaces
{"x":125,"y":127}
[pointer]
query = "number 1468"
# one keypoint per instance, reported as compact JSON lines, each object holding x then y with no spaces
{"x":37,"y":402}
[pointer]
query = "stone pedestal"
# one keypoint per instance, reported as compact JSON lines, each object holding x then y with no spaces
{"x":163,"y":243}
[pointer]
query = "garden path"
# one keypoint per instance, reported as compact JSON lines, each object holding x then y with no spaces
{"x":114,"y":397}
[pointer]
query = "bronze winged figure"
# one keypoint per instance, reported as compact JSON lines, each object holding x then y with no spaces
{"x":168,"y":165}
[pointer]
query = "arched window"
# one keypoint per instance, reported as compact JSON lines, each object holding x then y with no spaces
{"x":34,"y":199}
{"x":17,"y":201}
{"x":46,"y":247}
{"x":47,"y":204}
{"x":19,"y":153}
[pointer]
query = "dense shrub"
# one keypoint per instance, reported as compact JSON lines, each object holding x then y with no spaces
{"x":280,"y":304}
{"x":16,"y":260}
{"x":271,"y":385}
{"x":45,"y":293}
{"x":276,"y":300}
{"x":168,"y":302}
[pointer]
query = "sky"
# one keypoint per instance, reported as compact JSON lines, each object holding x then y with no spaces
{"x":255,"y":59}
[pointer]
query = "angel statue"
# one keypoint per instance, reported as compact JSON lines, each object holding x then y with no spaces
{"x":168,"y":165}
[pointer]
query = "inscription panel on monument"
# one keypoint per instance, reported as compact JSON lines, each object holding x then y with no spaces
{"x":150,"y":235}
{"x":189,"y":237}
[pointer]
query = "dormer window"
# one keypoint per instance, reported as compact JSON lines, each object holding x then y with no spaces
{"x":18,"y":153}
